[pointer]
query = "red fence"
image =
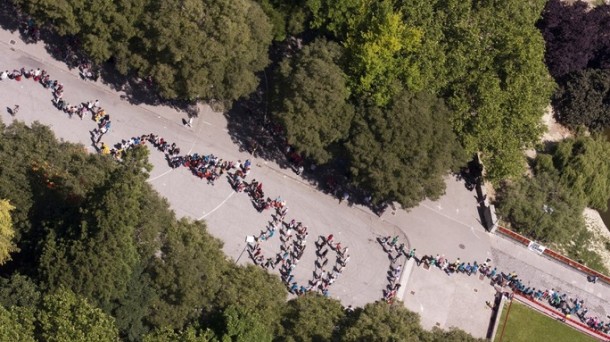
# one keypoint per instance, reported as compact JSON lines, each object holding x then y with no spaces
{"x":554,"y":255}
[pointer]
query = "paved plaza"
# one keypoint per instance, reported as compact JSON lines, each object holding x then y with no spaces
{"x":449,"y":226}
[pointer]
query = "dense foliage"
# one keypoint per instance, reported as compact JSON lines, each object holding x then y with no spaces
{"x":191,"y":48}
{"x":484,"y":59}
{"x":6,"y":231}
{"x":312,"y":95}
{"x":101,"y":257}
{"x":576,"y":36}
{"x":578,"y":56}
{"x":403,"y":152}
{"x":583,"y":99}
{"x":548,"y":206}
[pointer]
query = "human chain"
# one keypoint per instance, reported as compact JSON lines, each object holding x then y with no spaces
{"x":567,"y":305}
{"x":210,"y":168}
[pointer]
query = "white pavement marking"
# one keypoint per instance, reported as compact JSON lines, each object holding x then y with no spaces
{"x":446,"y":216}
{"x":170,"y":170}
{"x":161,"y":175}
{"x":474,"y":232}
{"x":218,"y":206}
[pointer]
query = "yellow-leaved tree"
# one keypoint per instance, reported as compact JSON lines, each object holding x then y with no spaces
{"x":6,"y":232}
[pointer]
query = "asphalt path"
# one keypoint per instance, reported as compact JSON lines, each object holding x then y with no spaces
{"x":449,"y":226}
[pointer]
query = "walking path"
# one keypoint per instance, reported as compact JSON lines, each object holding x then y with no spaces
{"x":449,"y":226}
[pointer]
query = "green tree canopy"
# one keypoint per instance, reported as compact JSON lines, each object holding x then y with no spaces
{"x":584,"y":167}
{"x":499,"y":85}
{"x":19,"y":290}
{"x":576,"y":173}
{"x":403,"y":152}
{"x":7,"y":232}
{"x":311,"y":318}
{"x":190,"y":334}
{"x":187,"y":274}
{"x":256,"y":299}
{"x":103,"y":240}
{"x":66,"y":317}
{"x":382,"y":322}
{"x":193,"y":49}
{"x":225,"y":44}
{"x":16,"y":324}
{"x":583,"y":98}
{"x":312,"y":99}
{"x":333,"y":16}
{"x":244,"y":326}
{"x":381,"y":52}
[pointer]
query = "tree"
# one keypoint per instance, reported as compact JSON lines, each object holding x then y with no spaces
{"x":403,"y":152}
{"x":192,"y":49}
{"x":16,"y":324}
{"x":7,"y":246}
{"x":187,"y":274}
{"x":244,"y":326}
{"x":311,"y":318}
{"x":66,"y":317}
{"x":541,"y":207}
{"x":583,"y":98}
{"x":380,"y":47}
{"x":498,"y":84}
{"x":312,"y":99}
{"x":225,"y":45}
{"x":256,"y":300}
{"x":584,"y":167}
{"x":19,"y":290}
{"x":575,"y":36}
{"x":333,"y":16}
{"x":96,"y":258}
{"x":287,"y":17}
{"x":47,"y":181}
{"x":380,"y":322}
{"x":190,"y":334}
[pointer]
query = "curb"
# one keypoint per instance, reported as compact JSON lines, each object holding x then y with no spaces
{"x":404,"y":278}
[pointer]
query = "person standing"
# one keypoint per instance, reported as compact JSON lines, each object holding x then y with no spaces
{"x":15,"y":110}
{"x":103,"y":131}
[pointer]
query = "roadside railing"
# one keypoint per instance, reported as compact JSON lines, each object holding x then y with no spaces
{"x":553,"y":255}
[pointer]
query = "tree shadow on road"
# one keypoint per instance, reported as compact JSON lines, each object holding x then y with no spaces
{"x":68,"y":50}
{"x":255,"y":131}
{"x":9,"y":19}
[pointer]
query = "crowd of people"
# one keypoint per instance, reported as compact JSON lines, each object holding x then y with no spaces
{"x":210,"y":167}
{"x":568,"y":306}
{"x":397,"y":253}
{"x":293,"y":235}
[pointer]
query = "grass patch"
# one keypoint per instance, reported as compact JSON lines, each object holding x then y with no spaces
{"x":525,"y":324}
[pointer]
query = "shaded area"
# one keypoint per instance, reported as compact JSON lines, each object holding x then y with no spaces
{"x":68,"y":49}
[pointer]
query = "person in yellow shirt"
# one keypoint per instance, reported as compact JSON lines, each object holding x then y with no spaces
{"x":105,"y":149}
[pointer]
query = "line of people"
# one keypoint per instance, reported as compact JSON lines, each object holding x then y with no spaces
{"x":210,"y":167}
{"x":291,"y":249}
{"x":396,"y":254}
{"x":568,"y":306}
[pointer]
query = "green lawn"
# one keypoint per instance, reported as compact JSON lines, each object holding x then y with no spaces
{"x":525,"y":324}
